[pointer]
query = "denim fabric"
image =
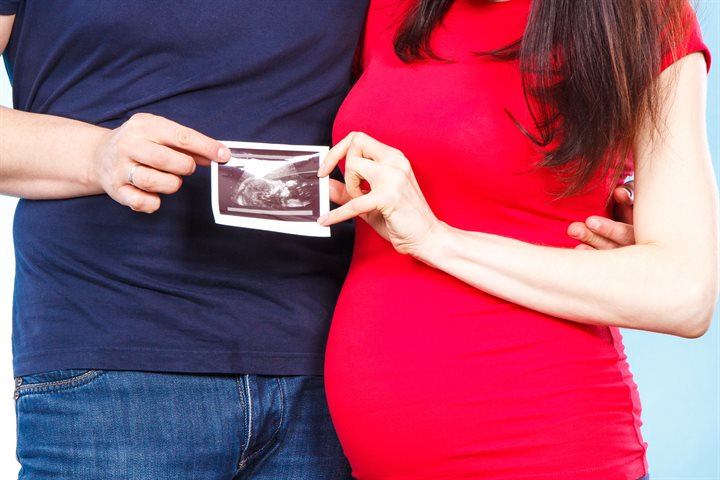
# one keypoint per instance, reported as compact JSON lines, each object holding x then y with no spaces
{"x":112,"y":425}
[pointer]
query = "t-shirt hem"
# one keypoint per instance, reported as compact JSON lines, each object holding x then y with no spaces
{"x":8,"y":7}
{"x":633,"y":470}
{"x":172,"y":361}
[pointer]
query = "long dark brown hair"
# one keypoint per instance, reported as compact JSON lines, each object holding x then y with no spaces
{"x":588,"y":70}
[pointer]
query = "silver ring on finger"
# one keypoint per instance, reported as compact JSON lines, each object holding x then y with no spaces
{"x":131,"y":175}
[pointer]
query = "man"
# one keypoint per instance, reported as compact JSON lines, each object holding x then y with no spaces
{"x":110,"y":101}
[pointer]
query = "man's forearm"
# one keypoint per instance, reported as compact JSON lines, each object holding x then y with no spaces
{"x":47,"y":157}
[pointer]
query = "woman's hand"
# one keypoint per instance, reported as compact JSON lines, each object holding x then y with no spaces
{"x":149,"y":155}
{"x":394,"y":206}
{"x":393,"y":182}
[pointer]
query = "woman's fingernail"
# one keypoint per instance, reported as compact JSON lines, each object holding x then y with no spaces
{"x":321,"y":220}
{"x":593,"y":223}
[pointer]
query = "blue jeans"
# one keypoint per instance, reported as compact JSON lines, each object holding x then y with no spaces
{"x":112,"y":425}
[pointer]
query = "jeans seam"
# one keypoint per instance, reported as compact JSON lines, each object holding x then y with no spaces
{"x":239,"y":385}
{"x":21,"y":474}
{"x":249,"y":419}
{"x":241,"y":394}
{"x":281,"y":387}
{"x":275,"y":434}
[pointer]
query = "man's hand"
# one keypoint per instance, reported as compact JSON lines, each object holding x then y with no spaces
{"x":603,"y":233}
{"x":149,"y":155}
{"x":624,"y":197}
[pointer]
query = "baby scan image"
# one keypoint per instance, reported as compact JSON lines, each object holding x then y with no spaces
{"x":270,"y":184}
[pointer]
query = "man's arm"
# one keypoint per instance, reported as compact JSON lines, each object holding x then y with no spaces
{"x":51,"y":157}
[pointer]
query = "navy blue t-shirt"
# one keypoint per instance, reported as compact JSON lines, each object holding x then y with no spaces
{"x":100,"y":286}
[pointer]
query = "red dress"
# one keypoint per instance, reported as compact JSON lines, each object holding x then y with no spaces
{"x":427,"y":377}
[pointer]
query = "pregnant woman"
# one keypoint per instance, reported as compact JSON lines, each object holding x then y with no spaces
{"x":471,"y":339}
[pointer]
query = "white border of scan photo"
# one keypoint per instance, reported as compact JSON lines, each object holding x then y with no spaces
{"x":306,"y":228}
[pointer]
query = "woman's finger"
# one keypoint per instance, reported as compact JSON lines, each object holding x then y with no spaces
{"x":353,"y":208}
{"x":338,"y":192}
{"x":361,"y":145}
{"x":364,"y":146}
{"x":359,"y":169}
{"x":333,"y":157}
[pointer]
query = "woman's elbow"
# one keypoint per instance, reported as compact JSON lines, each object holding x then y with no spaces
{"x":697,"y":307}
{"x":695,"y":328}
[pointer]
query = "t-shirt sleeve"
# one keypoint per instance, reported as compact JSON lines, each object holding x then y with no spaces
{"x":690,"y":42}
{"x":9,"y":7}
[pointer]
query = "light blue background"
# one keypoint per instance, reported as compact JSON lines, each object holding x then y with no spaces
{"x":679,"y":380}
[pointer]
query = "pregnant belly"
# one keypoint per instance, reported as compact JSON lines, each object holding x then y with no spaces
{"x":428,"y":378}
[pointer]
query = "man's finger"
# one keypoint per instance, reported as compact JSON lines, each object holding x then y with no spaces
{"x":155,"y":181}
{"x":164,"y":159}
{"x":582,"y":233}
{"x":172,"y":134}
{"x":618,"y":233}
{"x":138,"y":200}
{"x":624,"y":198}
{"x":625,"y":193}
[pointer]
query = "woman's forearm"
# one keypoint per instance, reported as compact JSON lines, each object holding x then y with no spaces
{"x":658,"y":290}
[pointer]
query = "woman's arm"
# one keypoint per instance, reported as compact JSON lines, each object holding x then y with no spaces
{"x":670,"y":277}
{"x":50,"y":157}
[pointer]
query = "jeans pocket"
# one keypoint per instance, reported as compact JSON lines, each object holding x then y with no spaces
{"x":53,"y":381}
